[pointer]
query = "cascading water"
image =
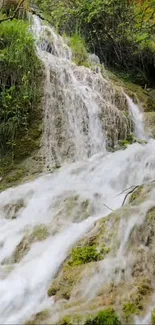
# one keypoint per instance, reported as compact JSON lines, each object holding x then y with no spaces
{"x":137,"y":117}
{"x":66,"y":203}
{"x":79,"y":104}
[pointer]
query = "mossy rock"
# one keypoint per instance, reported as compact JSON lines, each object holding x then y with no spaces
{"x":15,"y":176}
{"x":150,"y":104}
{"x":68,"y":277}
{"x":151,"y":215}
{"x":149,"y":119}
{"x":39,"y":318}
{"x":12,"y":178}
{"x":27,"y":144}
{"x":39,"y":233}
{"x":135,"y":305}
{"x":75,"y":207}
{"x":129,"y":309}
{"x":136,"y":194}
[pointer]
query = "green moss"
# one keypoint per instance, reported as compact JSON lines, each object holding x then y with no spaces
{"x":153,"y":317}
{"x":104,"y":250}
{"x":129,"y":309}
{"x":151,"y":214}
{"x":133,"y":307}
{"x":144,"y":288}
{"x":16,"y":176}
{"x":66,"y":280}
{"x":105,"y":317}
{"x":52,"y":291}
{"x":12,"y":178}
{"x":83,"y":255}
{"x":38,"y":318}
{"x":66,"y":321}
{"x":136,"y":194}
{"x":29,"y":142}
{"x":124,"y":143}
{"x":40,"y":233}
{"x":150,"y":104}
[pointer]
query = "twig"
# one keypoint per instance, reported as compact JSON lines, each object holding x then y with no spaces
{"x":130,"y":193}
{"x":125,"y":190}
{"x":134,"y":187}
{"x":14,"y":14}
{"x":108,"y":207}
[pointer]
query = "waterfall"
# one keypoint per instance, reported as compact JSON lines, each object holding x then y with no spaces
{"x":79,"y":104}
{"x":42,"y":220}
{"x":137,"y":118}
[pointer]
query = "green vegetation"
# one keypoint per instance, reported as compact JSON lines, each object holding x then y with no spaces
{"x":20,"y":75}
{"x":136,"y":194}
{"x":151,"y":214}
{"x":86,"y":254}
{"x":39,"y":233}
{"x":38,"y":318}
{"x":105,"y":317}
{"x":121,"y":33}
{"x":66,"y":321}
{"x":153,"y":317}
{"x":78,"y":46}
{"x":52,"y":291}
{"x":129,"y":309}
{"x":129,"y":140}
{"x":135,"y":305}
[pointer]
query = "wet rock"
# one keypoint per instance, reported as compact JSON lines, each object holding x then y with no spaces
{"x":149,"y":119}
{"x":93,"y":58}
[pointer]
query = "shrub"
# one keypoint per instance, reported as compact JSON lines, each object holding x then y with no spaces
{"x":20,"y":75}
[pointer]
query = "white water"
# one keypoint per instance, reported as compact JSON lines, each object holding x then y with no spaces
{"x":81,"y":111}
{"x":137,"y":118}
{"x":70,"y":200}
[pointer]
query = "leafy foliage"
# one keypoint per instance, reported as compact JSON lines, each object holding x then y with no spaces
{"x":79,"y":49}
{"x":20,"y":73}
{"x":105,"y":317}
{"x":122,"y":32}
{"x":83,"y":255}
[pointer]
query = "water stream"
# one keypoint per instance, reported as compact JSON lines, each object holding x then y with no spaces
{"x":137,"y":117}
{"x":91,"y":176}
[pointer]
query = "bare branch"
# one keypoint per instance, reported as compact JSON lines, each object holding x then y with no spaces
{"x":14,"y":14}
{"x":129,"y":193}
{"x":108,"y":207}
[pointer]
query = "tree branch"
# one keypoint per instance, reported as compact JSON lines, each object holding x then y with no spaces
{"x":14,"y":14}
{"x":129,"y":193}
